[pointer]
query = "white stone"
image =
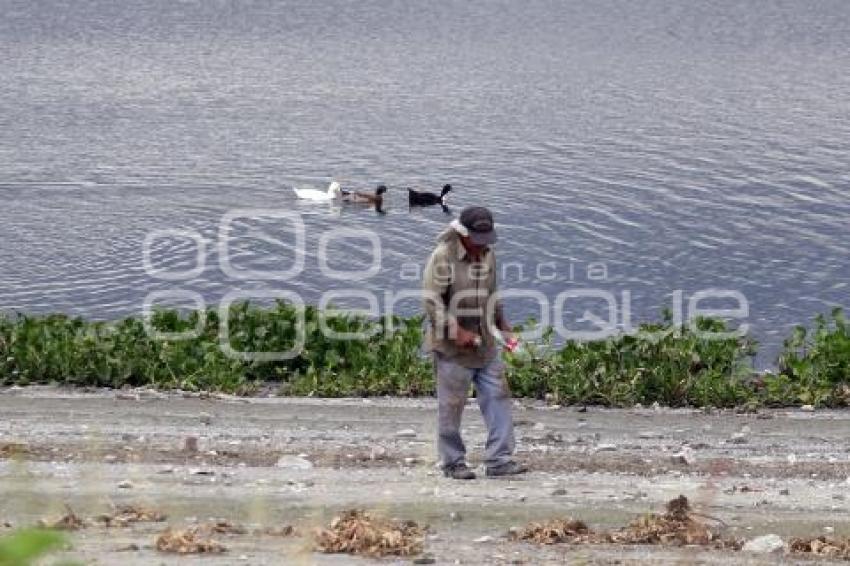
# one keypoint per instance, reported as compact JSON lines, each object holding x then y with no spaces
{"x":294,"y":463}
{"x":406,"y":433}
{"x":767,"y":544}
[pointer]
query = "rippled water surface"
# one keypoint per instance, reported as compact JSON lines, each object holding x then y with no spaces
{"x":684,"y":145}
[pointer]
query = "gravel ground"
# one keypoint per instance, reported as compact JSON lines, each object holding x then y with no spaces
{"x":270,"y":462}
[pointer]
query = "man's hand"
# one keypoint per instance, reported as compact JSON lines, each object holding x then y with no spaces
{"x":510,"y":340}
{"x":465,"y":338}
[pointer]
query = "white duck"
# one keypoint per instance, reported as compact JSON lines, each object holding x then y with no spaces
{"x":334,"y":192}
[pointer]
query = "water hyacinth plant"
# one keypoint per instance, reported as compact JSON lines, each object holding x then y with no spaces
{"x":815,"y":364}
{"x":662,"y":362}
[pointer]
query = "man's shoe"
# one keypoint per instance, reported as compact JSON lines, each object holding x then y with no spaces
{"x":459,"y":472}
{"x":511,"y":468}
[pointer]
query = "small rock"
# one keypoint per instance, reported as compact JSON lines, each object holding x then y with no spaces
{"x":425,"y":560}
{"x":485,"y":538}
{"x":767,"y":544}
{"x":294,"y":463}
{"x":559,"y":491}
{"x":606,"y":448}
{"x":206,"y":418}
{"x":405,"y":433}
{"x":808,"y":408}
{"x":455,"y":517}
{"x":538,"y":426}
{"x":738,"y":438}
{"x":201,"y":472}
{"x":409,"y":461}
{"x":110,"y":458}
{"x":684,"y":456}
{"x":784,"y":492}
{"x":125,"y":484}
{"x":377,"y":453}
{"x":190,"y":444}
{"x":552,"y":437}
{"x":792,"y":459}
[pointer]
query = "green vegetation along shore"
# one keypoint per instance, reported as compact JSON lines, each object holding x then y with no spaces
{"x":661,"y":363}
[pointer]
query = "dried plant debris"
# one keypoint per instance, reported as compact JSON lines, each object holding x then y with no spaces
{"x":123,"y":515}
{"x":196,"y":539}
{"x":826,"y":547}
{"x":555,"y":531}
{"x":70,"y":521}
{"x":357,"y":532}
{"x":225,"y":527}
{"x":282,"y":531}
{"x":676,"y":527}
{"x":11,"y":449}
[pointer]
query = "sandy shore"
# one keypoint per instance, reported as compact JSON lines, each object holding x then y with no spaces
{"x":268,"y":462}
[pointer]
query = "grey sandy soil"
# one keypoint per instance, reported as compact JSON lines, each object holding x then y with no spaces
{"x":782,"y":471}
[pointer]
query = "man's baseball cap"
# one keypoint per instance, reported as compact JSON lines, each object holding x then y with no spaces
{"x":479,"y":222}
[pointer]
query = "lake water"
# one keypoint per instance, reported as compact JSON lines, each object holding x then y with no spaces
{"x":684,"y":145}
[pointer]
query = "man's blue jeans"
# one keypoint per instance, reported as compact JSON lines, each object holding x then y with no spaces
{"x":494,"y":399}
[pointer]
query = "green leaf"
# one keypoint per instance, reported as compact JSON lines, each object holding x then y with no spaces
{"x":23,"y":547}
